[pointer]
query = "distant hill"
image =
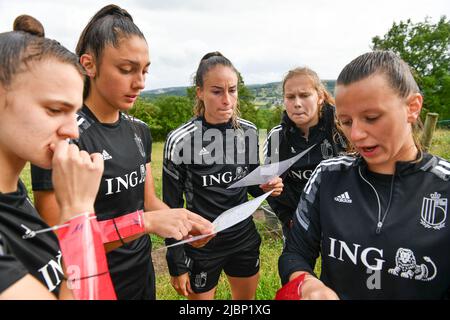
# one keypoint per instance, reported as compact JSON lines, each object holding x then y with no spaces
{"x":266,"y":95}
{"x":173,"y":91}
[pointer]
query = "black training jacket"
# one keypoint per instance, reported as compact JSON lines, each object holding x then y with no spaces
{"x":200,"y":161}
{"x":376,"y":240}
{"x":286,"y":141}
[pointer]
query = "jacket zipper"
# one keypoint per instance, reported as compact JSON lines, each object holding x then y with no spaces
{"x":380,"y":219}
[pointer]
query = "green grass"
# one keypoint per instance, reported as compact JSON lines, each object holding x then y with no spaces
{"x":271,"y":243}
{"x":440,"y":145}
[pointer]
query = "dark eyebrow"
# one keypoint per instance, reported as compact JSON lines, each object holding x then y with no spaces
{"x":65,"y":104}
{"x":135,"y":63}
{"x":219,"y":87}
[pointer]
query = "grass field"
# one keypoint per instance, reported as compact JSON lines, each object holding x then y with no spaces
{"x":271,"y":242}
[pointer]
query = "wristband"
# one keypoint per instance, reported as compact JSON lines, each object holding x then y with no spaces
{"x":85,"y":260}
{"x":122,"y":227}
{"x":292,"y":289}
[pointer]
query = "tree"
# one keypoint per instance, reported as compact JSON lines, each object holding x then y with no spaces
{"x":163,"y":114}
{"x":426,"y":48}
{"x":173,"y":111}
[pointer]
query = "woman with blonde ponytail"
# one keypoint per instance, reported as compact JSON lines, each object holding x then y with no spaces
{"x":115,"y":56}
{"x":307,"y":122}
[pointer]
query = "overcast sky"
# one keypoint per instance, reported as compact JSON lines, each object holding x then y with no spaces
{"x":263,"y":38}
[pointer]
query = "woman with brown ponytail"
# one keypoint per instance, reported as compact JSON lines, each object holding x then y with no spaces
{"x":201,"y":159}
{"x":115,"y":56}
{"x":379,"y":220}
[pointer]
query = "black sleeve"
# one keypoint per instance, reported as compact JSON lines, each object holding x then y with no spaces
{"x":255,"y":191}
{"x":148,"y":143}
{"x":303,"y":243}
{"x":41,"y":179}
{"x":172,"y":189}
{"x":273,"y":138}
{"x":267,"y":152}
{"x":11,"y":269}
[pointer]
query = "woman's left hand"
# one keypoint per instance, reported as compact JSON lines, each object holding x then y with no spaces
{"x":276,"y":184}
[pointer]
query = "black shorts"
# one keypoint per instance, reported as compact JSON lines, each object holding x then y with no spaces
{"x":205,"y":273}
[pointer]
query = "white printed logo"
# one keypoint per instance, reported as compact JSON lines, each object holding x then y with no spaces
{"x":106,"y":155}
{"x":140,"y":145}
{"x":200,"y":280}
{"x":240,"y":173}
{"x":203,"y":152}
{"x":293,"y":150}
{"x":326,"y":149}
{"x":434,"y":211}
{"x":345,"y":198}
{"x":406,"y":266}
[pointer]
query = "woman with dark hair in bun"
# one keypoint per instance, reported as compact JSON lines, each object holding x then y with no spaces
{"x":115,"y":56}
{"x":200,"y":172}
{"x":41,"y":86}
{"x":29,"y":24}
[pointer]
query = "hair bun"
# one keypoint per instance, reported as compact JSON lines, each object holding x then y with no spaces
{"x":28,"y":24}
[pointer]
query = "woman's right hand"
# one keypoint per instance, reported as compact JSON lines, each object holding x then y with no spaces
{"x":176,"y":223}
{"x":182,"y":284}
{"x":314,"y":289}
{"x":76,"y":179}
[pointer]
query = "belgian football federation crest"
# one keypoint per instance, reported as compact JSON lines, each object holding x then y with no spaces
{"x":434,"y":211}
{"x":140,"y":145}
{"x":200,"y":280}
{"x":327,"y":149}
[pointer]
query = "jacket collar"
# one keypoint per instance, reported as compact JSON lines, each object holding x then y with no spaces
{"x":292,"y":128}
{"x":402,"y":168}
{"x":220,"y":126}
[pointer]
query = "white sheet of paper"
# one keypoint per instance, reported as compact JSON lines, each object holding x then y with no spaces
{"x":239,"y":213}
{"x":265,"y":173}
{"x":230,"y":217}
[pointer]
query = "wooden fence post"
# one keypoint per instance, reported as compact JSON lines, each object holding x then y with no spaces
{"x":428,"y":130}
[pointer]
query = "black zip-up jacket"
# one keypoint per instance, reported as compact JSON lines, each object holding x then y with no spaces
{"x":199,"y":164}
{"x":286,"y":141}
{"x":374,"y":244}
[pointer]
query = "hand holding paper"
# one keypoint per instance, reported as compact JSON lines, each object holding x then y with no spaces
{"x":230,"y":217}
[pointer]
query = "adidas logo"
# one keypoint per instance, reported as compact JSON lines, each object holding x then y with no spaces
{"x":203,"y":152}
{"x":106,"y":155}
{"x":343,"y":198}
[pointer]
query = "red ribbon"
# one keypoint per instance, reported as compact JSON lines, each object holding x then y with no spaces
{"x":291,"y":290}
{"x":85,"y":260}
{"x":122,"y":227}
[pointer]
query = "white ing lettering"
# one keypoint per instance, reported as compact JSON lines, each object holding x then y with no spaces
{"x":305,"y":175}
{"x":219,"y":178}
{"x":353,"y":254}
{"x":118,"y":184}
{"x":57,"y":271}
